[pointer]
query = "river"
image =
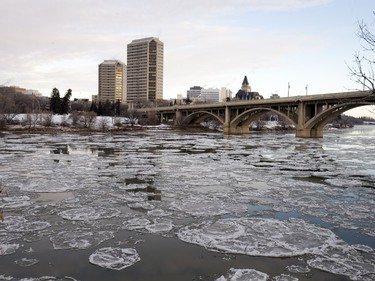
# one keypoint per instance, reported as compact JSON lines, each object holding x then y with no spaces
{"x":166,"y":205}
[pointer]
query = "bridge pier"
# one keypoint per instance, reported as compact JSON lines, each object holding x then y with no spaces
{"x":178,"y":118}
{"x":235,"y":130}
{"x":307,"y":133}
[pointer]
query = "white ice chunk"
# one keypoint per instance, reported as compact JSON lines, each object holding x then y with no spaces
{"x":136,"y":223}
{"x":89,"y":213}
{"x":20,"y":224}
{"x":25,"y":262}
{"x":14,"y":202}
{"x":345,"y":261}
{"x":284,"y":277}
{"x":79,"y":240}
{"x":298,"y":269}
{"x":7,"y":249}
{"x":259,"y":237}
{"x":195,"y":207}
{"x":244,"y":275}
{"x":344,"y":182}
{"x":141,"y":205}
{"x":158,"y":213}
{"x":160,"y":226}
{"x":114,"y":258}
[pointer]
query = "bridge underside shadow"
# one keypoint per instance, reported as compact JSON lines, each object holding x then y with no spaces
{"x":241,"y":124}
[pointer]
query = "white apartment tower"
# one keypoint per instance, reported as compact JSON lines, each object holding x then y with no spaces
{"x":145,"y":70}
{"x":112,"y":81}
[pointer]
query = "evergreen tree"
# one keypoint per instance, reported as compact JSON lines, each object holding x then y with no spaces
{"x":94,"y":107}
{"x":65,"y":103}
{"x":107,"y":108}
{"x":100,"y":109}
{"x":118,"y":108}
{"x":55,"y":102}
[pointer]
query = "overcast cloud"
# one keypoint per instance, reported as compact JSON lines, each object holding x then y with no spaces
{"x":212,"y":43}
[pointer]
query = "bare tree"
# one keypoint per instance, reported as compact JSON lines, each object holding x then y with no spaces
{"x":132,"y":115}
{"x":76,"y":117}
{"x":47,"y":119}
{"x":364,"y":61}
{"x":88,"y":119}
{"x":103,"y":123}
{"x":8,"y":110}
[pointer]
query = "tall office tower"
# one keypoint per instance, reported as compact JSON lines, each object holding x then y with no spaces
{"x":145,"y":70}
{"x":112,"y":81}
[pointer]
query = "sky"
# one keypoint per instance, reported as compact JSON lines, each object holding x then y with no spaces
{"x":209,"y":43}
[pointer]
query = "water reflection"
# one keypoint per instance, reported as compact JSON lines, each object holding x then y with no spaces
{"x":71,"y":149}
{"x":153,"y":194}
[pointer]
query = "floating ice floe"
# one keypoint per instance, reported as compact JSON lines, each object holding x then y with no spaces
{"x":284,"y":277}
{"x":25,"y":262}
{"x":195,"y":207}
{"x":244,"y":275}
{"x":160,"y":225}
{"x":340,"y":182}
{"x":141,"y":205}
{"x":7,"y":249}
{"x":136,"y":223}
{"x":20,"y":224}
{"x":89,"y":213}
{"x":43,"y":278}
{"x":344,"y":260}
{"x":298,"y":269}
{"x":14,"y":202}
{"x":40,"y":185}
{"x":259,"y":237}
{"x":79,"y":240}
{"x":114,"y":258}
{"x":158,"y":213}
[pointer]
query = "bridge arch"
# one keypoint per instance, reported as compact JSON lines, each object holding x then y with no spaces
{"x":314,"y":127}
{"x":242,"y":121}
{"x":318,"y":122}
{"x":199,"y":116}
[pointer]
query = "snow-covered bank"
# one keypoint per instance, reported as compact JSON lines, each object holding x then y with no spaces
{"x":83,"y":122}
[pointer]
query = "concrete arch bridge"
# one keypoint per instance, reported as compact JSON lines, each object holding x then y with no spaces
{"x":309,"y":114}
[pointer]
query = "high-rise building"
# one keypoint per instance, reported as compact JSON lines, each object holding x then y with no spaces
{"x":194,"y":92}
{"x":145,"y":70}
{"x":112,"y":81}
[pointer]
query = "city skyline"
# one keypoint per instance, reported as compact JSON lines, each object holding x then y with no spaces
{"x":304,"y":44}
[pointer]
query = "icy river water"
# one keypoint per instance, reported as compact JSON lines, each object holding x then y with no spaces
{"x":165,"y":205}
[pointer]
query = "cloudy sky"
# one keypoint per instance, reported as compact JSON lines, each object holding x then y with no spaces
{"x":211,"y":43}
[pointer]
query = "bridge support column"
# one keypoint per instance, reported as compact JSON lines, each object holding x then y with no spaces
{"x":227,"y":129}
{"x":178,"y":117}
{"x":309,"y":133}
{"x":161,"y":118}
{"x":235,"y":130}
{"x":303,"y":115}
